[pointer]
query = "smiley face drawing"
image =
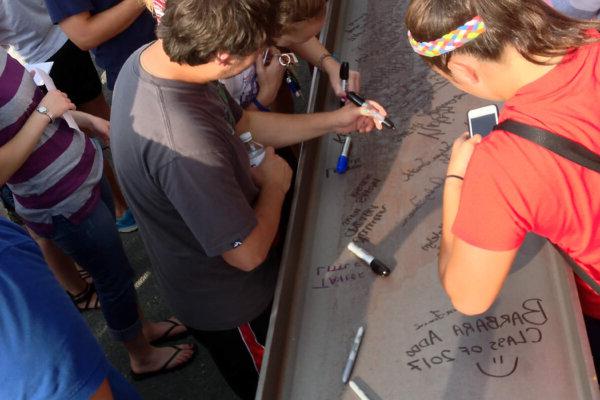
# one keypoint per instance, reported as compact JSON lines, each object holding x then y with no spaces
{"x":503,"y":374}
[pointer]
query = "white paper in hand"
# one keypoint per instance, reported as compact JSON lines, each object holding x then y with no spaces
{"x":41,"y":77}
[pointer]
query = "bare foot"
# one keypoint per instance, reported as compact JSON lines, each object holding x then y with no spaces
{"x":163,"y":330}
{"x":161,"y":359}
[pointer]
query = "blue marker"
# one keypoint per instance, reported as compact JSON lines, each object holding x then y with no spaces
{"x":342,"y":164}
{"x":292,"y":83}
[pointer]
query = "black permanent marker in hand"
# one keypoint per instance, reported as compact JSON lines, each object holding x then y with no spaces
{"x":361,"y":102}
{"x":344,"y":76}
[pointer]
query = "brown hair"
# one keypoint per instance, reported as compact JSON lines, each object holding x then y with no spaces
{"x":194,"y":31}
{"x":532,"y":27}
{"x":293,"y":11}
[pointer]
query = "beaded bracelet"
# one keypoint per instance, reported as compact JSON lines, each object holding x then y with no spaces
{"x":259,"y":105}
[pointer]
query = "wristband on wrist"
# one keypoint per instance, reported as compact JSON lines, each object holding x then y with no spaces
{"x":455,"y":176}
{"x":323,"y":57}
{"x":259,"y":105}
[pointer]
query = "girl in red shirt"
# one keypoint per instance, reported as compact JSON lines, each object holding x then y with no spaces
{"x":546,"y":67}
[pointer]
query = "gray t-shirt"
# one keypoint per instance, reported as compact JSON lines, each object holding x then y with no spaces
{"x":186,"y":175}
{"x":26,"y":26}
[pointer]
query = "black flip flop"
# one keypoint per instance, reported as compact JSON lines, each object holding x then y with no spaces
{"x":164,"y":369}
{"x":85,"y":298}
{"x":165,"y":336}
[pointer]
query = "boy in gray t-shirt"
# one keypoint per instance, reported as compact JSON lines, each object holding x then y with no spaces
{"x":207,"y":219}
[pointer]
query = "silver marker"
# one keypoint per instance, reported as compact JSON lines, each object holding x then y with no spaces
{"x":353,"y":353}
{"x":359,"y":392}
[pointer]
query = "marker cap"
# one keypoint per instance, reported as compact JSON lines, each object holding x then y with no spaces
{"x":345,"y":70}
{"x":379,"y":268}
{"x":342,"y":165}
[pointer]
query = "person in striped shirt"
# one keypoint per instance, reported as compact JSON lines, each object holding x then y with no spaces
{"x":55,"y":173}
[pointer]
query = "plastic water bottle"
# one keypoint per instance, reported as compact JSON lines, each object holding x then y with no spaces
{"x":256,"y":151}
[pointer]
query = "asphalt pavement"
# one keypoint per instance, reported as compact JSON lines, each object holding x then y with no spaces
{"x":199,"y":380}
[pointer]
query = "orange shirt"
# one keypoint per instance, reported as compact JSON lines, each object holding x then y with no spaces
{"x":513,"y":186}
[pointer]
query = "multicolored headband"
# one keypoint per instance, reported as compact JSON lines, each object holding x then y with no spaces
{"x":451,"y":41}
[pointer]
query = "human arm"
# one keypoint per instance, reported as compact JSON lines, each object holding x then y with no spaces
{"x":88,"y":31}
{"x":210,"y":192}
{"x":312,"y":51}
{"x":273,"y":176}
{"x":280,"y":130}
{"x":471,"y":276}
{"x":92,"y":125}
{"x":16,"y":151}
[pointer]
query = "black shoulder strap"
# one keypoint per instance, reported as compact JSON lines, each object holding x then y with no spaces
{"x":579,"y":271}
{"x":568,"y":149}
{"x":560,"y":145}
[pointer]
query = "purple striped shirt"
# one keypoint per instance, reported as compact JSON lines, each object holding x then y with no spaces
{"x":62,"y":174}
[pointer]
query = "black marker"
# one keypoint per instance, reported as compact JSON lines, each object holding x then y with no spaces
{"x":344,"y":76}
{"x":361,"y":102}
{"x":377,"y":266}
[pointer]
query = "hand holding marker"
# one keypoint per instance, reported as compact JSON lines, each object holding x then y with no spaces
{"x":361,"y":102}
